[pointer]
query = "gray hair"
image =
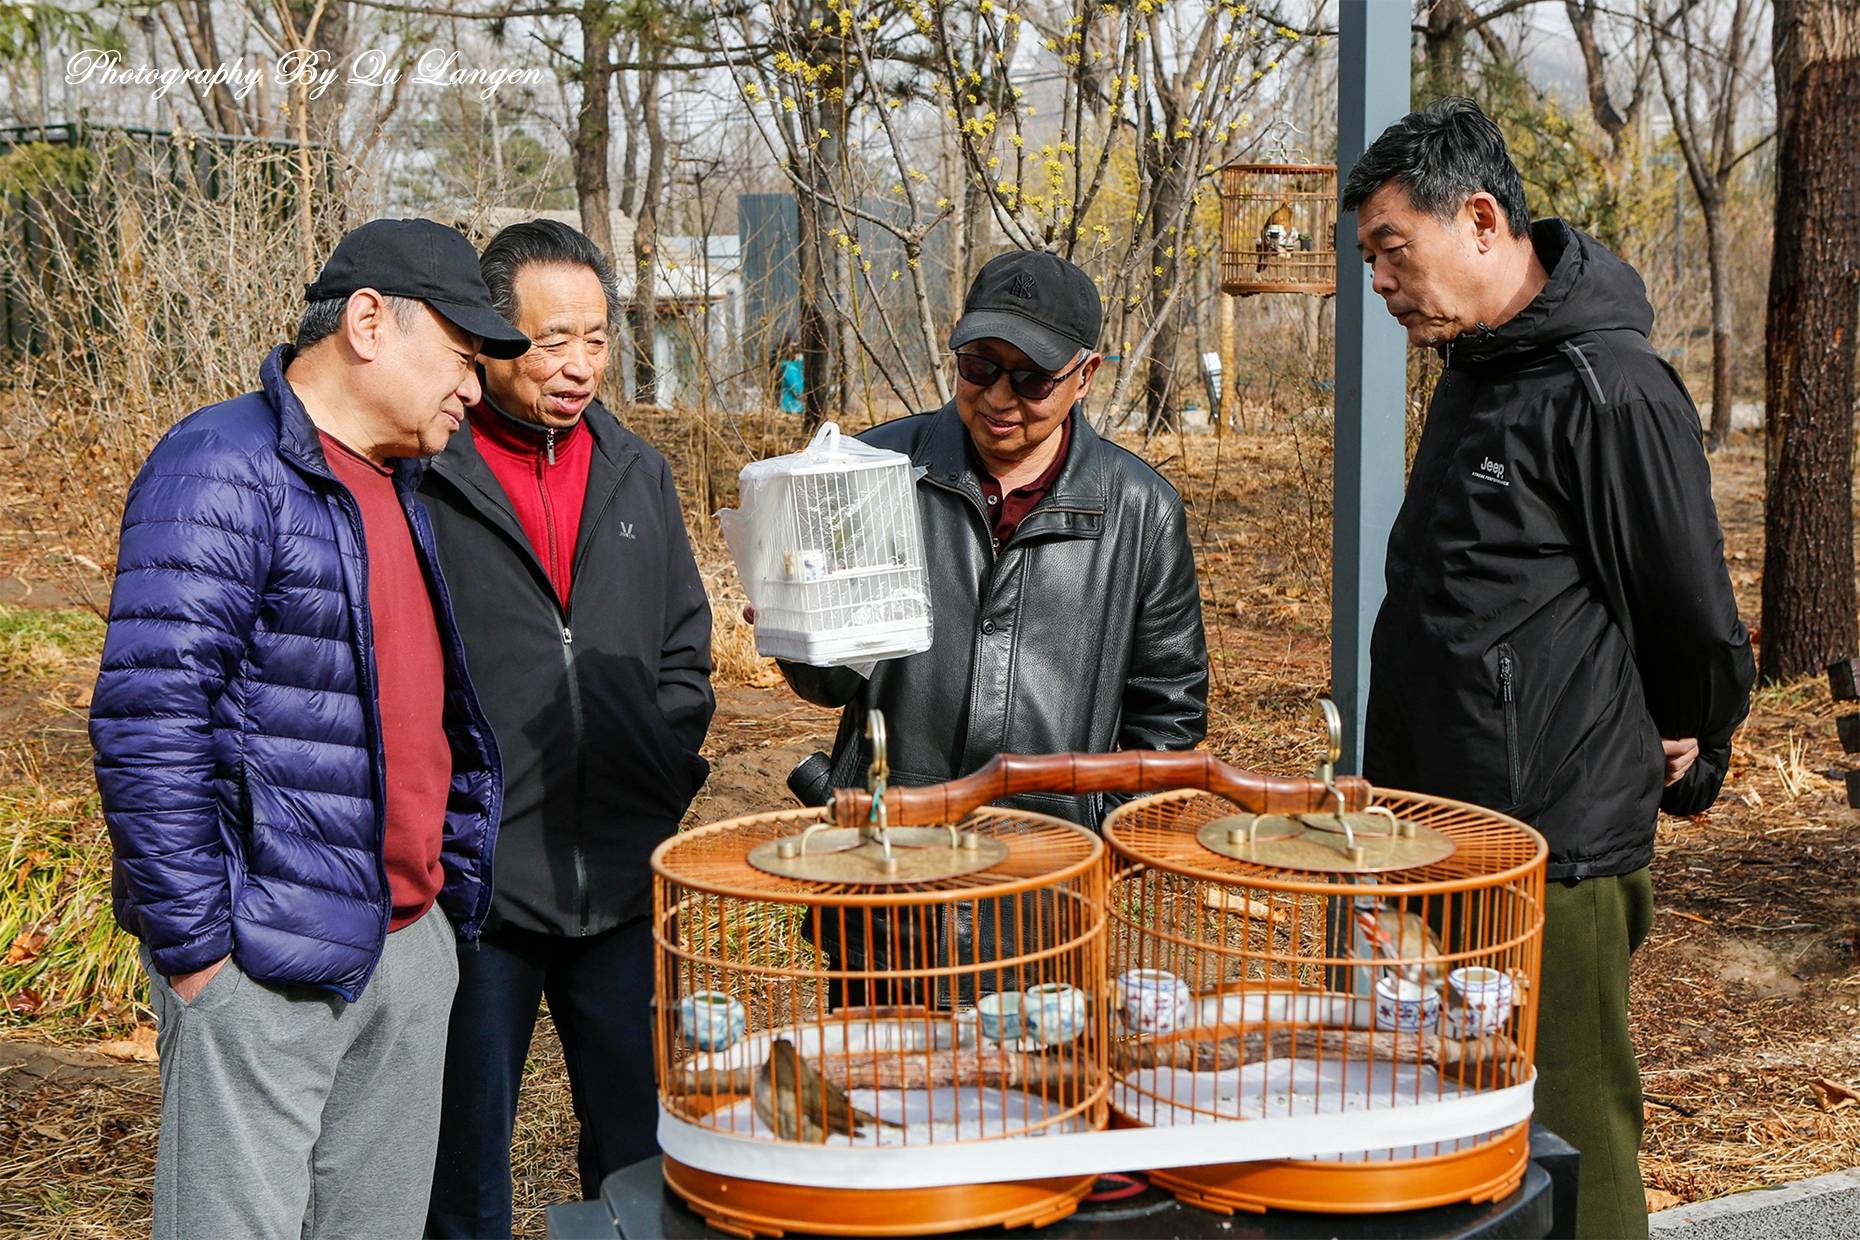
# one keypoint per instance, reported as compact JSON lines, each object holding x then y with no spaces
{"x":322,"y":319}
{"x":547,"y":242}
{"x":1442,"y":155}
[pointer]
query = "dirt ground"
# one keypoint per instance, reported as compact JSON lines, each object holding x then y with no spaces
{"x":1745,"y":997}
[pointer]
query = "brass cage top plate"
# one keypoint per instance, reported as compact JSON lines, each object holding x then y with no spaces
{"x":1316,"y":843}
{"x":846,"y":855}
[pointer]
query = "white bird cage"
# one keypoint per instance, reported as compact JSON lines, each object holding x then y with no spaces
{"x":831,"y":555}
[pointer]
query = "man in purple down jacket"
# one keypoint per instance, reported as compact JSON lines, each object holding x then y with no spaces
{"x":294,"y":768}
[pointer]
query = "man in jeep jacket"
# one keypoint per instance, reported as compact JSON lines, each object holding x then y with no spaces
{"x":588,"y":635}
{"x":1559,"y":640}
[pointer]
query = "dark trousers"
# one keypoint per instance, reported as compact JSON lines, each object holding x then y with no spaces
{"x":1588,"y":1083}
{"x":598,"y":990}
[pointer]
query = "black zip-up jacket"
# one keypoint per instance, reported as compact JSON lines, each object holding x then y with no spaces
{"x":1083,"y":635}
{"x":599,"y":712}
{"x":1557,"y":594}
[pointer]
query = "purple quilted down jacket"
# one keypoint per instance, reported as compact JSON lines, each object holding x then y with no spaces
{"x":237,"y":739}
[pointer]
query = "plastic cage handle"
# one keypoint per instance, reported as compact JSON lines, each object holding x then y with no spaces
{"x":1079,"y":774}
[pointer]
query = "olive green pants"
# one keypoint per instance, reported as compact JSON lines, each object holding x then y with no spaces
{"x":1588,"y":1083}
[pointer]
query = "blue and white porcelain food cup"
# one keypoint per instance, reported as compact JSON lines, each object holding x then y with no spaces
{"x":1153,"y":1001}
{"x":1055,"y":1013}
{"x":1000,"y":1015}
{"x":712,"y":1020}
{"x":1481,"y":1001}
{"x":1404,"y":1006}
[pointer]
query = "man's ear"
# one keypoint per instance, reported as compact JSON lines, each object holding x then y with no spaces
{"x":365,"y":322}
{"x":1087,"y":369}
{"x":1487,"y":219}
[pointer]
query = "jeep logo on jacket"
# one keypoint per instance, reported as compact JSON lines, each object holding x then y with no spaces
{"x":1557,"y":595}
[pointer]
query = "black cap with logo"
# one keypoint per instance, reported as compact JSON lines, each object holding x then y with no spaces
{"x":425,"y":261}
{"x":1038,"y":302}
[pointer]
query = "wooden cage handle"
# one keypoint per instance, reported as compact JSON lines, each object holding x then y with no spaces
{"x":1078,"y":774}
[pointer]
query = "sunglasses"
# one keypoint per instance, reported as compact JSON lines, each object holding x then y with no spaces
{"x":1027,"y":384}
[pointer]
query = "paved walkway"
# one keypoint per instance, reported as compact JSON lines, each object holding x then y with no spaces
{"x":1828,"y":1205}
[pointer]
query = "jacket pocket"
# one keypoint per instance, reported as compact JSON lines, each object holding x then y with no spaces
{"x":1508,"y":701}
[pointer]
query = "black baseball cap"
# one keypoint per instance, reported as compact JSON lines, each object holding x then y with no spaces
{"x":1038,"y":302}
{"x":425,"y":261}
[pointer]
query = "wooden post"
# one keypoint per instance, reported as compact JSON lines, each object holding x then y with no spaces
{"x":1230,"y":384}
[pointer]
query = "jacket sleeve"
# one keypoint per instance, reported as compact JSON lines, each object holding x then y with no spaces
{"x":684,"y":691}
{"x":1650,"y":533}
{"x":193,"y":555}
{"x":1166,"y":694}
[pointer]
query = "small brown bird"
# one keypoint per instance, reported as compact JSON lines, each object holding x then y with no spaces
{"x":1273,"y":237}
{"x":801,"y":1105}
{"x":1404,"y":936}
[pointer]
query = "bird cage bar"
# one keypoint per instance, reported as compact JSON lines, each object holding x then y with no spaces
{"x":1278,"y":228}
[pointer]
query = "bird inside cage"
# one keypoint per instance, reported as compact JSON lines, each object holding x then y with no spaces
{"x":1279,"y":235}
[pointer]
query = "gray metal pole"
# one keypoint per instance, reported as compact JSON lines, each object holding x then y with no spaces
{"x":1371,"y":387}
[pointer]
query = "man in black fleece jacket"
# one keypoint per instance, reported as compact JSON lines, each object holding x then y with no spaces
{"x":1559,"y":640}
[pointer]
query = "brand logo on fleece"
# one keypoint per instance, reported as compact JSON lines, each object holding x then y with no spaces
{"x":626,"y":529}
{"x":1491,"y":471}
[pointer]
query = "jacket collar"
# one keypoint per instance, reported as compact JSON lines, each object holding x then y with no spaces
{"x":1074,"y":506}
{"x":463,"y":465}
{"x":298,"y":441}
{"x":943,"y":451}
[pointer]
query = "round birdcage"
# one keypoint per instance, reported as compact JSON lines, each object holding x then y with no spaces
{"x":855,"y":1009}
{"x":1278,"y":228}
{"x":1360,"y":988}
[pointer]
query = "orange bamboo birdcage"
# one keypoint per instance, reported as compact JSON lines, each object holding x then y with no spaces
{"x":1278,"y":228}
{"x":1360,"y":988}
{"x":845,"y":1013}
{"x":887,"y":1016}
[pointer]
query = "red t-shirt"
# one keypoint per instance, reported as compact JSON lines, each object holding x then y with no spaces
{"x":410,"y":674}
{"x":544,"y":474}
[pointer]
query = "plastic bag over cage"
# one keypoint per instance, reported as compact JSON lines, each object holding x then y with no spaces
{"x":1278,"y":228}
{"x":831,"y":555}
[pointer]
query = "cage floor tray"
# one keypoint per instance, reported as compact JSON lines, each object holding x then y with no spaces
{"x":1283,"y":1088}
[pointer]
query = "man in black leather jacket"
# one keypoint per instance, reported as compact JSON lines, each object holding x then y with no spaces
{"x":1065,"y":609}
{"x":1559,"y":640}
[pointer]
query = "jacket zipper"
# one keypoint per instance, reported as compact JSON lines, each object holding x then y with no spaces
{"x":352,"y":512}
{"x":577,"y":729}
{"x":549,"y":549}
{"x":1508,"y":695}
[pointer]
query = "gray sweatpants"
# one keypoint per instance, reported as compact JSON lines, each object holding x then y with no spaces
{"x":287,"y":1112}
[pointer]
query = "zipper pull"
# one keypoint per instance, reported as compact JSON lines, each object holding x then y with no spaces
{"x":1504,"y":674}
{"x":568,"y":636}
{"x":549,"y":443}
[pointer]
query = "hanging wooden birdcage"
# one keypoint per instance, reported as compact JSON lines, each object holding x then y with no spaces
{"x":1278,"y":228}
{"x":1359,"y":985}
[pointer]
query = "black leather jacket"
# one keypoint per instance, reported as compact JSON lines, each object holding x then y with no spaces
{"x":1083,"y":635}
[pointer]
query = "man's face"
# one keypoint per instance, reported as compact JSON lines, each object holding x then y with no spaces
{"x":1007,"y":427}
{"x":425,"y":373}
{"x":563,"y":311}
{"x":1426,"y":269}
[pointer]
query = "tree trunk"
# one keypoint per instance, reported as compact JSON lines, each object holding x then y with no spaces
{"x":1718,"y":259}
{"x":592,"y":125}
{"x":1168,"y":178}
{"x":646,"y":246}
{"x":816,"y":343}
{"x":1814,"y":311}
